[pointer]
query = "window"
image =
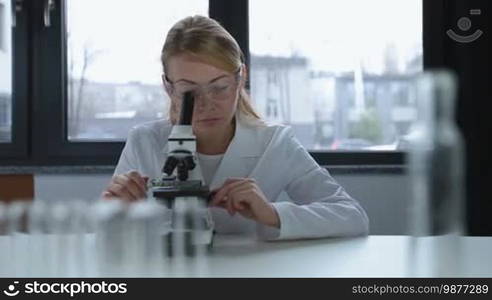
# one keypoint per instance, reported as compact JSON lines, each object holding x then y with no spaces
{"x":113,"y":63}
{"x":339,"y":72}
{"x":6,"y":73}
{"x":83,"y":81}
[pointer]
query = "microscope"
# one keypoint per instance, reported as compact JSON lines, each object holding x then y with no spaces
{"x":182,"y":190}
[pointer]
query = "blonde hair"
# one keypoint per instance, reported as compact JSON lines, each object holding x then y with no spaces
{"x":205,"y":38}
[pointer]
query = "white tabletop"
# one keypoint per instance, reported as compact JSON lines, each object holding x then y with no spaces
{"x":372,"y":256}
{"x":237,"y":256}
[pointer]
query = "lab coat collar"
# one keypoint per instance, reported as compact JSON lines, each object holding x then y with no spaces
{"x":245,"y":142}
{"x":244,"y":145}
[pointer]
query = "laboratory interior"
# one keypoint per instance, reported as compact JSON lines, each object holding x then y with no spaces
{"x":248,"y":138}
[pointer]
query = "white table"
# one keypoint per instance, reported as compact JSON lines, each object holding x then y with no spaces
{"x":372,"y":256}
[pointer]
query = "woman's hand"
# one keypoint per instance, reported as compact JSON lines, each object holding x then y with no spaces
{"x":243,"y":195}
{"x":130,"y":186}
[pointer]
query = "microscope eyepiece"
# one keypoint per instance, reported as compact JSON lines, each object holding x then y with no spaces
{"x":187,"y":108}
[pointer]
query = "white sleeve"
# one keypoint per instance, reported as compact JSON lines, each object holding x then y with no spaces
{"x":128,"y":159}
{"x":320,"y":207}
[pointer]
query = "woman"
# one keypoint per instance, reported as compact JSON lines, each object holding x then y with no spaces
{"x":246,"y":161}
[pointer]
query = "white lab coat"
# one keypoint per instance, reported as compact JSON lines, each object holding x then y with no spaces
{"x":271,"y":155}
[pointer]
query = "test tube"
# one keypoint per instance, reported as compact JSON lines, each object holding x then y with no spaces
{"x":143,"y":244}
{"x":77,"y":263}
{"x":16,"y":213}
{"x":179,"y":237}
{"x":38,"y":245}
{"x":109,"y":218}
{"x":4,"y":236}
{"x":202,"y":234}
{"x":59,"y":228}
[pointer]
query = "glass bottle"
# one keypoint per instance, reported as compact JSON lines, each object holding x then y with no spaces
{"x":436,"y":168}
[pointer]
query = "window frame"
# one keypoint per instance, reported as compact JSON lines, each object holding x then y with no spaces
{"x":50,"y":102}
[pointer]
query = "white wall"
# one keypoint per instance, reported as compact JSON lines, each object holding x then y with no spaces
{"x":70,"y":186}
{"x":385,"y":199}
{"x":383,"y":196}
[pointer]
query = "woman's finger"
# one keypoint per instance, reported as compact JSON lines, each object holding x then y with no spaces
{"x":139,"y":180}
{"x":130,"y":185}
{"x":121,"y":192}
{"x":242,"y":204}
{"x":240,"y":195}
{"x":146,"y":181}
{"x":107,"y":195}
{"x":224,"y":189}
{"x":227,"y":187}
{"x":228,"y":203}
{"x":233,"y":179}
{"x":217,"y":201}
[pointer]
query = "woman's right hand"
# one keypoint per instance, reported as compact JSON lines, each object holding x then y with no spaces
{"x":130,"y":186}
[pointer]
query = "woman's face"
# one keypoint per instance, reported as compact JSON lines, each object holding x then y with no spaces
{"x":216,"y":92}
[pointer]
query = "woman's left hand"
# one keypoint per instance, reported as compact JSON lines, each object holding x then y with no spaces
{"x":243,"y":195}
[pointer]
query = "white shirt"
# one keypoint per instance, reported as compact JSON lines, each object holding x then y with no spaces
{"x":272,"y":156}
{"x":208,"y":165}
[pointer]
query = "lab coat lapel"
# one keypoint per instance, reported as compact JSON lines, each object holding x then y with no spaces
{"x":243,"y":146}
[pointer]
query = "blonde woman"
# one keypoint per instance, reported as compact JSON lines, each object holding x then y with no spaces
{"x":248,"y":162}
